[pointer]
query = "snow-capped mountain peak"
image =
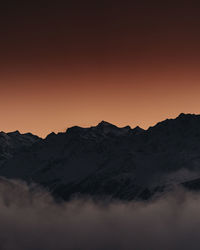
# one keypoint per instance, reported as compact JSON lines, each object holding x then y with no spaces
{"x":106,"y":160}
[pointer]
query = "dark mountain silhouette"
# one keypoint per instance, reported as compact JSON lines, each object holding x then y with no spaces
{"x":14,"y":142}
{"x":107,"y":161}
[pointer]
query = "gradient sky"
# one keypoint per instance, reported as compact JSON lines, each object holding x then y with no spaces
{"x":80,"y":62}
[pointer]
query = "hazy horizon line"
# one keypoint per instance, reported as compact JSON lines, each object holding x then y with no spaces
{"x":90,"y":126}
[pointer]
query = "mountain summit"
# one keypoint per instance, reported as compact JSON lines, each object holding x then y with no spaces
{"x":103,"y":124}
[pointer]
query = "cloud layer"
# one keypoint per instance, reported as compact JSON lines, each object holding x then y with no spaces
{"x":30,"y":219}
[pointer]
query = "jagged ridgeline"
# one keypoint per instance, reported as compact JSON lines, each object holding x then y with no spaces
{"x":106,"y":161}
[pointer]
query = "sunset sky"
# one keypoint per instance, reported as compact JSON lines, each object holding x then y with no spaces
{"x":79,"y":62}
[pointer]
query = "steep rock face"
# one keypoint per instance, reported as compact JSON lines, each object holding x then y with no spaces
{"x":109,"y":161}
{"x":69,"y":156}
{"x":12,"y":143}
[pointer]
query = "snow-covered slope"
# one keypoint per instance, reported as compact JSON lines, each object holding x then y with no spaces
{"x":13,"y":142}
{"x":107,"y":160}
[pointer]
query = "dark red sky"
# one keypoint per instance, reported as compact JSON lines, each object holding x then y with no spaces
{"x":80,"y":62}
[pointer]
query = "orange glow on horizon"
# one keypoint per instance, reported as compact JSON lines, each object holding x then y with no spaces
{"x":57,"y":102}
{"x":80,"y":62}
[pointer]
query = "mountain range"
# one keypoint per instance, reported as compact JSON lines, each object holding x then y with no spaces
{"x":107,"y":161}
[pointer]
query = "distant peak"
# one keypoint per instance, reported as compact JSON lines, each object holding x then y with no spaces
{"x":50,"y":135}
{"x":75,"y":129}
{"x":14,"y":133}
{"x":138,"y":130}
{"x":184,"y":115}
{"x":30,"y":134}
{"x":105,"y":124}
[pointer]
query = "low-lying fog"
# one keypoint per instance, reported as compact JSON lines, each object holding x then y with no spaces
{"x":30,"y":219}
